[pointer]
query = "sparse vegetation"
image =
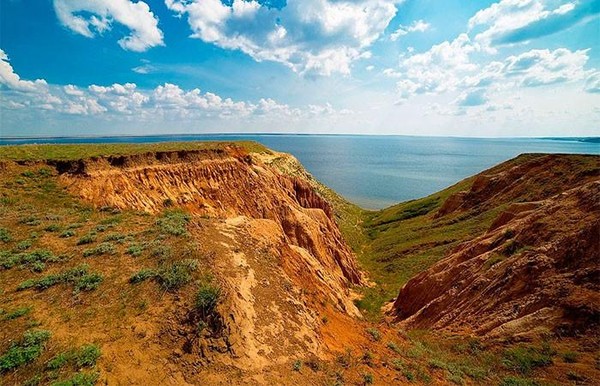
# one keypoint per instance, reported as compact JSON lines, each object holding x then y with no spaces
{"x":297,"y":365}
{"x":87,"y":239}
{"x":142,"y":275}
{"x":207,"y":298}
{"x":78,"y":276}
{"x":104,"y":248}
{"x":173,"y":222}
{"x":35,"y":260}
{"x":374,"y":334}
{"x":5,"y":236}
{"x":174,"y":276}
{"x":24,"y":351}
{"x":524,"y":359}
{"x":17,"y":313}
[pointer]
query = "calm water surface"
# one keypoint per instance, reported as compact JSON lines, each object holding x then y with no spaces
{"x":378,"y":171}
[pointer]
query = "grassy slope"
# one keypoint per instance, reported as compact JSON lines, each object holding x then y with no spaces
{"x":74,"y":152}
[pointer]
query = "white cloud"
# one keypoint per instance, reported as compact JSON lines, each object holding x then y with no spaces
{"x":92,"y":17}
{"x":515,"y":21}
{"x":10,"y":79}
{"x":474,"y":97}
{"x":416,"y":26}
{"x":541,"y":67}
{"x":592,"y":83}
{"x":309,"y":36}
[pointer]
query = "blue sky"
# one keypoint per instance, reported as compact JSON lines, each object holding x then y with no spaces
{"x":451,"y":67}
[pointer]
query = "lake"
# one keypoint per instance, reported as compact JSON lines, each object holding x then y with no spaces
{"x":378,"y":171}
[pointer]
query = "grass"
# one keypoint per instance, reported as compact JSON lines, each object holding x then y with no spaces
{"x":35,"y":260}
{"x":78,"y":276}
{"x":524,"y":359}
{"x":207,"y":298}
{"x":75,"y":152}
{"x":82,"y":378}
{"x":173,"y":222}
{"x":24,"y":351}
{"x":17,"y":313}
{"x":105,"y":248}
{"x":5,"y":236}
{"x":170,"y":277}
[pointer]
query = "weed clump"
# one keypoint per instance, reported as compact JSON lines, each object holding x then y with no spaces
{"x":173,"y":222}
{"x":26,"y":350}
{"x":78,"y":276}
{"x":5,"y":236}
{"x":87,"y":239}
{"x":524,"y":359}
{"x":34,"y":260}
{"x":17,"y":313}
{"x":105,"y":248}
{"x":374,"y":333}
{"x":176,"y":275}
{"x":207,"y":298}
{"x":142,"y":275}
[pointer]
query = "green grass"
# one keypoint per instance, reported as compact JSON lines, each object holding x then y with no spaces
{"x":35,"y":260}
{"x":207,"y":298}
{"x":78,"y":276}
{"x":75,"y":152}
{"x":17,"y":313}
{"x":24,"y":351}
{"x":80,"y":379}
{"x":5,"y":236}
{"x":105,"y":248}
{"x":173,"y":222}
{"x":524,"y":359}
{"x":174,"y":276}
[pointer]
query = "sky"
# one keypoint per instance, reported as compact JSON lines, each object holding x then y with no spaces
{"x":427,"y":67}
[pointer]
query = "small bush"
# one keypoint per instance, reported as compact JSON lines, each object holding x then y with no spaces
{"x":34,"y":260}
{"x":176,"y":275}
{"x":105,"y":248}
{"x":135,"y":249}
{"x":570,"y":357}
{"x":516,"y":381}
{"x":23,"y":245}
{"x":374,"y":333}
{"x":161,"y":252}
{"x":142,"y":275}
{"x":173,"y":222}
{"x":297,"y":366}
{"x":87,"y":355}
{"x":30,"y":220}
{"x":59,"y":360}
{"x":66,"y":234}
{"x":78,"y":276}
{"x":525,"y":359}
{"x":394,"y":347}
{"x":116,"y":237}
{"x":207,"y":298}
{"x":87,"y":239}
{"x":5,"y":236}
{"x":26,"y":350}
{"x":80,"y":379}
{"x":17,"y":313}
{"x":52,"y":228}
{"x":368,"y":379}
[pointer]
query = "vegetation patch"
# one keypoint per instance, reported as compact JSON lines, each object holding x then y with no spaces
{"x":17,"y":313}
{"x":104,"y":248}
{"x":207,"y":298}
{"x":78,"y":276}
{"x":35,"y":260}
{"x":25,"y":350}
{"x":5,"y":236}
{"x":524,"y":359}
{"x":173,"y":222}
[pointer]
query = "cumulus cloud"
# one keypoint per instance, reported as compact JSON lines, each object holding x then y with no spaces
{"x":10,"y":79}
{"x":416,"y":26}
{"x":437,"y":70}
{"x":515,"y":21}
{"x":592,"y":83}
{"x":541,"y":67}
{"x":309,"y":36}
{"x":127,"y":101}
{"x":92,"y":17}
{"x":474,"y":97}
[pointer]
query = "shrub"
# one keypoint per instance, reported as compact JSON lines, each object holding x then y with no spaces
{"x":394,"y":347}
{"x":207,"y":298}
{"x":52,"y":228}
{"x":34,"y":260}
{"x":80,"y":379}
{"x":570,"y":357}
{"x":87,"y":355}
{"x":142,"y":275}
{"x":297,"y":366}
{"x":101,"y":249}
{"x":17,"y":313}
{"x":516,"y":381}
{"x":368,"y":379}
{"x":26,"y":350}
{"x":66,"y":234}
{"x":176,"y":275}
{"x":374,"y":333}
{"x":5,"y":235}
{"x":525,"y":359}
{"x":134,"y":249}
{"x":173,"y":222}
{"x":87,"y":239}
{"x":78,"y":276}
{"x":23,"y":245}
{"x":30,"y":220}
{"x":59,"y":360}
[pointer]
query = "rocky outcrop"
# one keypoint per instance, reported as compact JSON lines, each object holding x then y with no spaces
{"x":227,"y":183}
{"x":536,"y":268}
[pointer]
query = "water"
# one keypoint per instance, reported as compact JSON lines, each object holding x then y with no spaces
{"x":378,"y":171}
